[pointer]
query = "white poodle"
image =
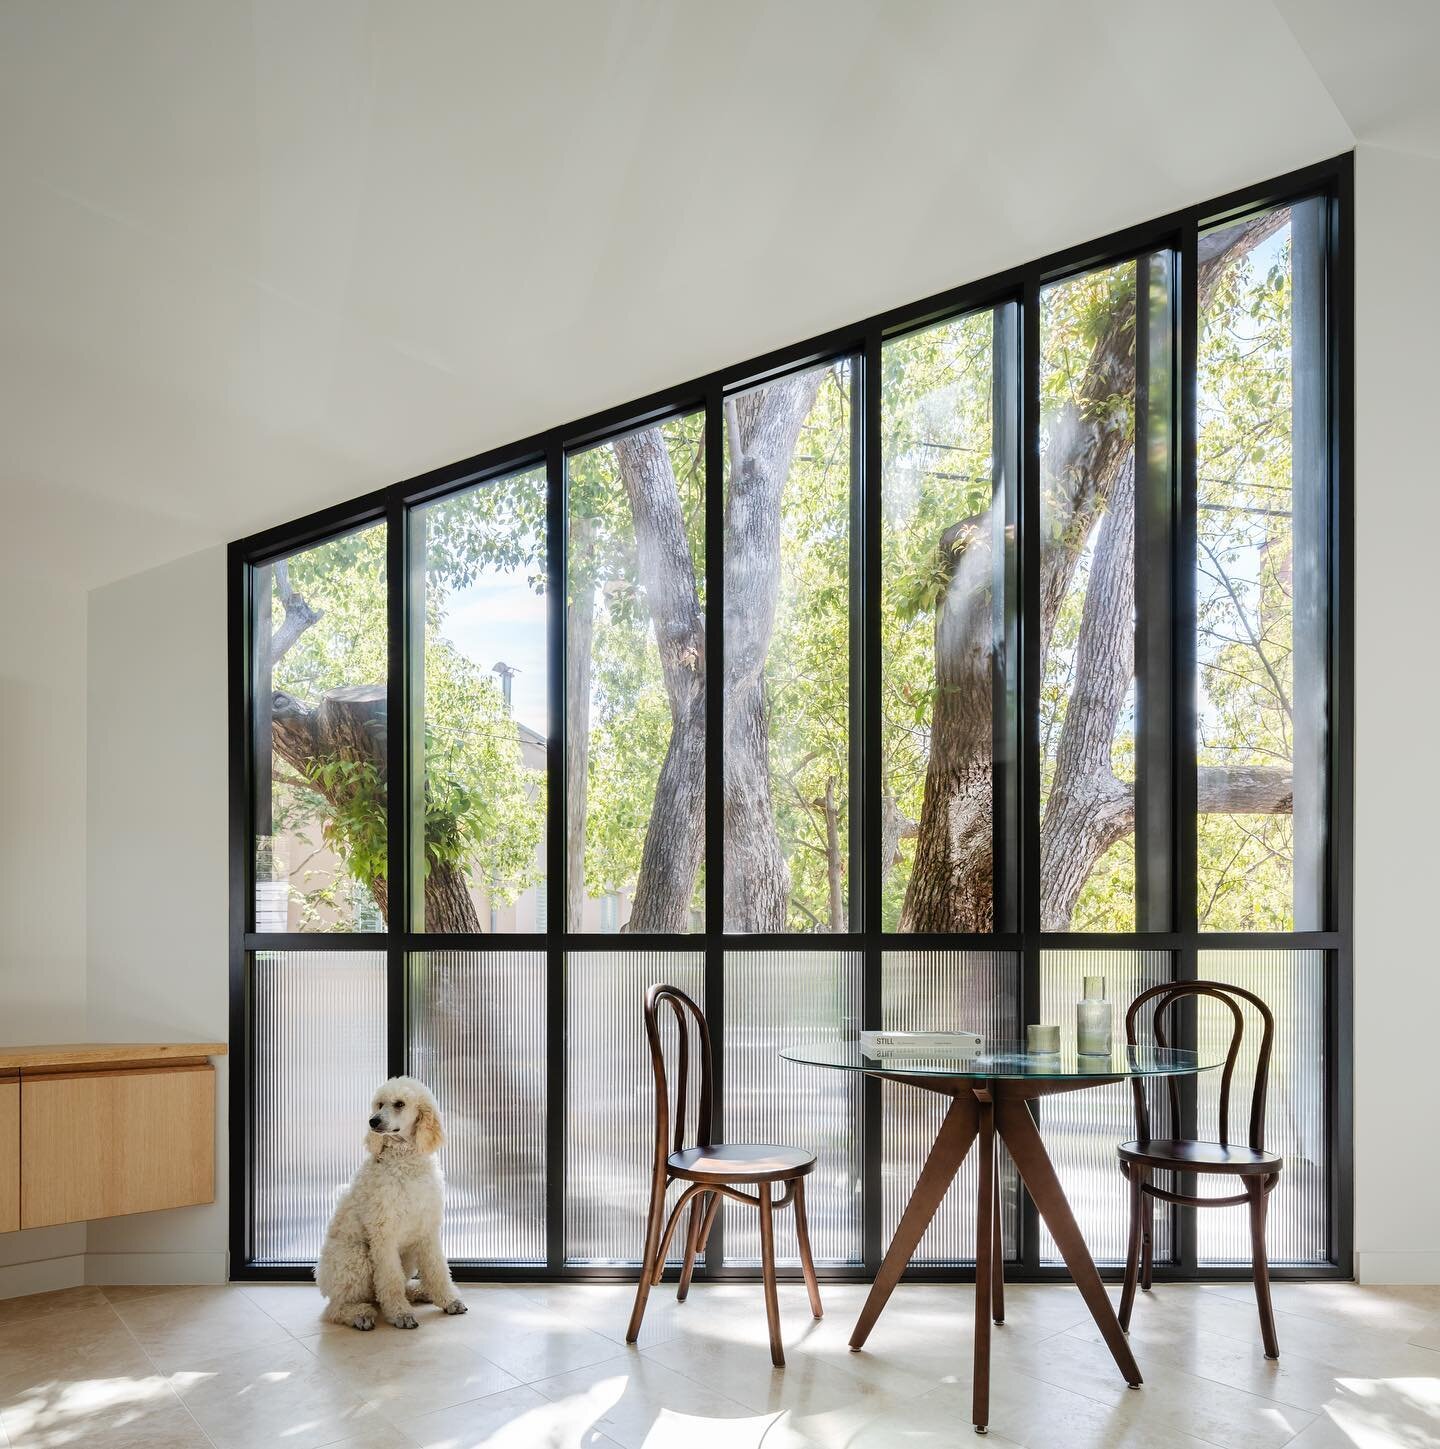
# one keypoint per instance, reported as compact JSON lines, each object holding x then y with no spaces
{"x":386,"y":1225}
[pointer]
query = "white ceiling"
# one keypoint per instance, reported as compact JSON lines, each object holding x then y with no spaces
{"x":259,"y":257}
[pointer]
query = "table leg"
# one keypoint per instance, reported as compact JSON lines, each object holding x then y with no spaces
{"x":984,"y":1267}
{"x":952,"y":1142}
{"x":1027,"y":1151}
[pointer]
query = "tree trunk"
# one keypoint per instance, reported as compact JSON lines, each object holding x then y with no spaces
{"x":951,"y":885}
{"x":764,"y":426}
{"x":350,"y":724}
{"x":675,"y":836}
{"x":1088,"y":809}
{"x":579,"y":644}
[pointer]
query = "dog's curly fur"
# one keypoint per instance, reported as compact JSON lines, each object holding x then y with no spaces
{"x":386,"y":1224}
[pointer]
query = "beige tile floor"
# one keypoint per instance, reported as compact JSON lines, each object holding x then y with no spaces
{"x":532,"y":1366}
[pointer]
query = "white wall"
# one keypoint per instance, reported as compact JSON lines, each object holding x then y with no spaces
{"x":1397,"y":703}
{"x":42,"y":884}
{"x":157,"y":867}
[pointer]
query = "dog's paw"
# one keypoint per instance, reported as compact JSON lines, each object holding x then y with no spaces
{"x":363,"y":1321}
{"x":405,"y":1320}
{"x":456,"y":1305}
{"x":416,"y":1294}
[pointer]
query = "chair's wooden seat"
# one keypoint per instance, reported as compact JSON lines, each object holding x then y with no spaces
{"x":741,"y":1162}
{"x":1186,"y":1156}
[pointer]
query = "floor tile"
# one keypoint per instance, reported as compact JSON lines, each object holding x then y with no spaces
{"x":518,"y":1418}
{"x":641,"y":1404}
{"x":106,"y":1413}
{"x":1173,"y":1398}
{"x":523,"y":1337}
{"x":408,"y":1372}
{"x":66,"y":1349}
{"x":173,"y":1327}
{"x":1378,"y":1414}
{"x":279,"y":1394}
{"x":41,"y":1305}
{"x":296,"y":1307}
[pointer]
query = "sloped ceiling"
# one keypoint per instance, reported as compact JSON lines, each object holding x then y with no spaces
{"x":260,"y":257}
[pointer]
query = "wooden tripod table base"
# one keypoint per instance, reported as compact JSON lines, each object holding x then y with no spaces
{"x":986,"y":1111}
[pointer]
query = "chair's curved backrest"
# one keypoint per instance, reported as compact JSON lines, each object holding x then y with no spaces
{"x":1166,"y":997}
{"x":688,"y":1018}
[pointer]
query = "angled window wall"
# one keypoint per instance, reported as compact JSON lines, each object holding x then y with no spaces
{"x":901,"y":678}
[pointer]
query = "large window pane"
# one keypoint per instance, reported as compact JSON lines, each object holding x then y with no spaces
{"x":943,"y":991}
{"x":1262,"y":565}
{"x":1087,"y":602}
{"x":319,"y":1055}
{"x":319,"y":673}
{"x":610,"y":1097}
{"x":775,"y":999}
{"x":477,"y":1039}
{"x":1292,"y":985}
{"x":1082,"y":1129}
{"x":635,"y":686}
{"x":485,"y":708}
{"x":946,"y":555}
{"x":787,"y":648}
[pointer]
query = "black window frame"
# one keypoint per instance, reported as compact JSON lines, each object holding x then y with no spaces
{"x":1016,"y":289}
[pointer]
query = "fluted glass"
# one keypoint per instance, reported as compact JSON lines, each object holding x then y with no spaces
{"x":610,"y":1097}
{"x":319,"y":1028}
{"x":774,"y":999}
{"x":477,"y":1039}
{"x":1083,"y":1129}
{"x":1292,"y":985}
{"x":943,"y":991}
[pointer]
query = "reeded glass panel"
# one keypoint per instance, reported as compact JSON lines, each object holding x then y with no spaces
{"x":1292,"y":985}
{"x":1082,"y":1129}
{"x":774,"y":999}
{"x":1262,"y":568}
{"x":1087,"y":602}
{"x":485,"y":702}
{"x":477,"y":1040}
{"x":319,"y":1055}
{"x":946,"y":553}
{"x":943,"y":991}
{"x":635,"y":682}
{"x":610,"y":1097}
{"x":787,"y":648}
{"x":318,"y":677}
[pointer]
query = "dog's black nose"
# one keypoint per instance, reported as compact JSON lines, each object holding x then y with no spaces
{"x":375,"y":1123}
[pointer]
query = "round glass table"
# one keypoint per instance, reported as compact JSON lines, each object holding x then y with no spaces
{"x":990,"y":1091}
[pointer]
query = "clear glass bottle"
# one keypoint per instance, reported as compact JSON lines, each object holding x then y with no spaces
{"x":1094,"y":1020}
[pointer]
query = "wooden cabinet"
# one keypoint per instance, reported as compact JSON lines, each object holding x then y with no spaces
{"x":101,"y":1131}
{"x":9,"y":1153}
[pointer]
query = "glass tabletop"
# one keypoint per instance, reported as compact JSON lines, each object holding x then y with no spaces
{"x":1008,"y":1059}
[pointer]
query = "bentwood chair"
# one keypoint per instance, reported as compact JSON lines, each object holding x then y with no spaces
{"x":1257,"y":1169}
{"x":712,"y":1171}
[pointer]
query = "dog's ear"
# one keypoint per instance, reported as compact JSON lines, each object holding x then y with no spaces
{"x":374,"y":1142}
{"x":429,"y":1135}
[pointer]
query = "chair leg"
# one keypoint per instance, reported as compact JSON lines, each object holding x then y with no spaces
{"x":807,"y":1262}
{"x":1259,"y":1202}
{"x":1147,"y":1240}
{"x":647,"y":1260}
{"x":1132,"y":1250}
{"x":767,"y":1271}
{"x":997,"y":1266}
{"x":698,"y":1210}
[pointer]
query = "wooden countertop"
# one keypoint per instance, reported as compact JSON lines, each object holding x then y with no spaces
{"x":108,"y":1053}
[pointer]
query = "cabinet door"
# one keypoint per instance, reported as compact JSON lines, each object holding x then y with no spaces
{"x":9,"y":1155}
{"x":101,"y":1144}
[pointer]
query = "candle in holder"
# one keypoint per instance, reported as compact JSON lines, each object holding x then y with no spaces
{"x":1041,"y":1038}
